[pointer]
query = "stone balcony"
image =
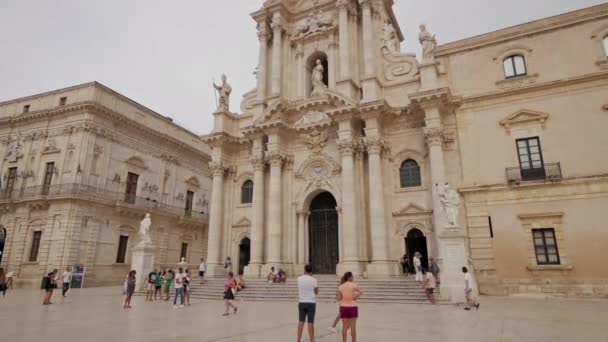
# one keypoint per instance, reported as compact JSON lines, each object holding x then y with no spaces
{"x":39,"y":197}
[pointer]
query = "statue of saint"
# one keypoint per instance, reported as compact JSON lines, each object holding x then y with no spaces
{"x":144,"y":230}
{"x":450,"y":200}
{"x":224,"y":90}
{"x":318,"y":87}
{"x":429,"y":43}
{"x":389,"y":37}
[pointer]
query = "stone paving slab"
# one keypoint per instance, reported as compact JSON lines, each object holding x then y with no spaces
{"x":94,"y":315}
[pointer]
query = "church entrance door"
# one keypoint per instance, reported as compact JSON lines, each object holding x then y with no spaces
{"x":323,"y":234}
{"x":416,"y":242}
{"x":244,"y":254}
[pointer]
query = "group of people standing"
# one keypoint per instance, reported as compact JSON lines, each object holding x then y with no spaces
{"x":347,"y":296}
{"x":158,"y":285}
{"x":50,"y":283}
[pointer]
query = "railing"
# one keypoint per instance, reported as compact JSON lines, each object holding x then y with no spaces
{"x":88,"y":192}
{"x":549,"y":171}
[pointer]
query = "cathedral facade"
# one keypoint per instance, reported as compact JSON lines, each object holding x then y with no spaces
{"x":351,"y":153}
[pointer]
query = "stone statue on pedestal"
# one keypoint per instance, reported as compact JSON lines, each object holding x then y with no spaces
{"x":144,"y":231}
{"x":224,"y":91}
{"x":318,"y":87}
{"x":450,"y":200}
{"x":182,"y":261}
{"x":429,"y":44}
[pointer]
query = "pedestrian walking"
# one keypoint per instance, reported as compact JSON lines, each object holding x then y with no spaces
{"x":348,"y":294}
{"x":202,"y":267}
{"x":66,"y":280}
{"x":131,"y":282}
{"x":418,"y":268}
{"x":308,"y":288}
{"x":337,"y":319}
{"x":229,"y":292}
{"x":3,"y":282}
{"x":430,"y":283}
{"x":468,"y":290}
{"x":50,"y":284}
{"x":228,"y":265}
{"x":179,"y":288}
{"x":434,"y":268}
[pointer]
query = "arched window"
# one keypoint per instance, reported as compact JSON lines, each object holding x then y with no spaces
{"x":247,"y":192}
{"x":515,"y":66}
{"x":605,"y":40}
{"x":410,"y":174}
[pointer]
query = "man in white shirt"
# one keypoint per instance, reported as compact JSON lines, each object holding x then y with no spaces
{"x":66,"y":279}
{"x":201,"y":270}
{"x":179,"y":288}
{"x":468,"y":290}
{"x":418,"y":268}
{"x":308,"y":288}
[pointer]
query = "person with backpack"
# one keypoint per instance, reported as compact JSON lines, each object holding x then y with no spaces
{"x":151,"y":284}
{"x":50,"y":284}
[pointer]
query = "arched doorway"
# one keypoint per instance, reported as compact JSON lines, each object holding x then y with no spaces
{"x":415,"y":241}
{"x":2,"y":239}
{"x":244,"y":254}
{"x":323,"y":234}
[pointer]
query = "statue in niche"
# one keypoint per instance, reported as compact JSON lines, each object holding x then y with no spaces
{"x":14,"y":152}
{"x":144,"y":230}
{"x":389,"y":37}
{"x":318,"y":87}
{"x":224,"y":91}
{"x":429,"y":43}
{"x":450,"y":201}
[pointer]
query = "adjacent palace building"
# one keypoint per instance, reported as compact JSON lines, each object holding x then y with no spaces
{"x":489,"y":152}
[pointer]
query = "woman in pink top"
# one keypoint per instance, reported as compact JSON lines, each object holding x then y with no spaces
{"x":348,"y":294}
{"x":229,"y":291}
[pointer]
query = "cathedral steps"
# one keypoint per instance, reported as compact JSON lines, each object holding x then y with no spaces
{"x":376,"y":290}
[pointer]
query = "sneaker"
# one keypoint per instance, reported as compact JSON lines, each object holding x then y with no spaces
{"x":333,"y":330}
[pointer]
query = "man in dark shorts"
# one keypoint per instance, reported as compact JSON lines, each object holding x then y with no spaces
{"x":307,"y":306}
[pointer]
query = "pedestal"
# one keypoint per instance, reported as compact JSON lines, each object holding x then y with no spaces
{"x":452,"y":251}
{"x":428,"y":76}
{"x":142,"y":261}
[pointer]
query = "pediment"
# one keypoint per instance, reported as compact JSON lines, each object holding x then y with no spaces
{"x":524,"y":116}
{"x":243,"y":222}
{"x":412,"y":209}
{"x":137,"y":162}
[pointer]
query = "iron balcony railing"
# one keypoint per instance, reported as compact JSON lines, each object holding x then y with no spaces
{"x":548,"y":171}
{"x":93,"y":193}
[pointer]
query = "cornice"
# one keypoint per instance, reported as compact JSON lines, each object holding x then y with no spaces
{"x":534,"y":184}
{"x":523,"y":30}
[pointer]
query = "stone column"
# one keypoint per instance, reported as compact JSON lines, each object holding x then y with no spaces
{"x":350,"y":241}
{"x":332,"y":62}
{"x":379,"y":235}
{"x":262,"y":73}
{"x":257,"y":222}
{"x":301,"y":237}
{"x":300,"y":72}
{"x":368,"y":38}
{"x":306,"y":239}
{"x":275,"y":213}
{"x":216,"y":222}
{"x":277,"y":46}
{"x":344,"y":39}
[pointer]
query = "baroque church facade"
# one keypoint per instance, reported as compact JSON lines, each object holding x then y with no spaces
{"x":488,"y":152}
{"x":350,"y":152}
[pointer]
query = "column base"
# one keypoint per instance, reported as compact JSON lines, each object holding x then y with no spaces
{"x":383,"y":268}
{"x":215,"y":270}
{"x":142,"y":261}
{"x":356,"y":267}
{"x":253,"y":270}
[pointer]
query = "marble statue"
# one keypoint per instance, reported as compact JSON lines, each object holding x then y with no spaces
{"x":144,"y":230}
{"x":224,"y":91}
{"x":429,"y":43}
{"x":389,"y":37}
{"x":318,"y":87}
{"x":182,"y":261}
{"x":314,"y":23}
{"x":450,"y":201}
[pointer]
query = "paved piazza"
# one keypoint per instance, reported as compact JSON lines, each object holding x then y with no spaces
{"x":97,"y":315}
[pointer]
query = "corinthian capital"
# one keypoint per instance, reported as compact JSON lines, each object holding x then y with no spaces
{"x":434,"y":136}
{"x":276,"y":24}
{"x":263,"y":31}
{"x":218,"y":168}
{"x":275,"y":158}
{"x":347,"y":146}
{"x":374,"y":145}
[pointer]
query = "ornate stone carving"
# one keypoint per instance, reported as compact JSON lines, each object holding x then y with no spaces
{"x":374,"y":145}
{"x":224,"y":91}
{"x":263,"y":33}
{"x":315,"y":140}
{"x":312,"y":118}
{"x":275,"y":158}
{"x":450,"y":201}
{"x":347,"y":146}
{"x":314,"y":23}
{"x":218,"y":168}
{"x":318,"y":86}
{"x":434,"y":136}
{"x":276,"y":25}
{"x":429,"y":44}
{"x":389,"y":38}
{"x":14,"y":151}
{"x":144,"y":231}
{"x":51,"y":147}
{"x":258,"y":163}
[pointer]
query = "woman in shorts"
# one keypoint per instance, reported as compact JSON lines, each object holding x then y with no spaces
{"x":348,"y":294}
{"x":131,"y":280}
{"x":229,"y":291}
{"x":49,"y":286}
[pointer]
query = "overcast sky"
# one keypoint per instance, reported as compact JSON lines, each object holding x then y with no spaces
{"x":163,"y":54}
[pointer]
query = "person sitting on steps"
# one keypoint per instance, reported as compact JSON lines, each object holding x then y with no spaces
{"x":272,"y":276}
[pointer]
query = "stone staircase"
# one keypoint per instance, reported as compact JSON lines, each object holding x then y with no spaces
{"x":375,"y":290}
